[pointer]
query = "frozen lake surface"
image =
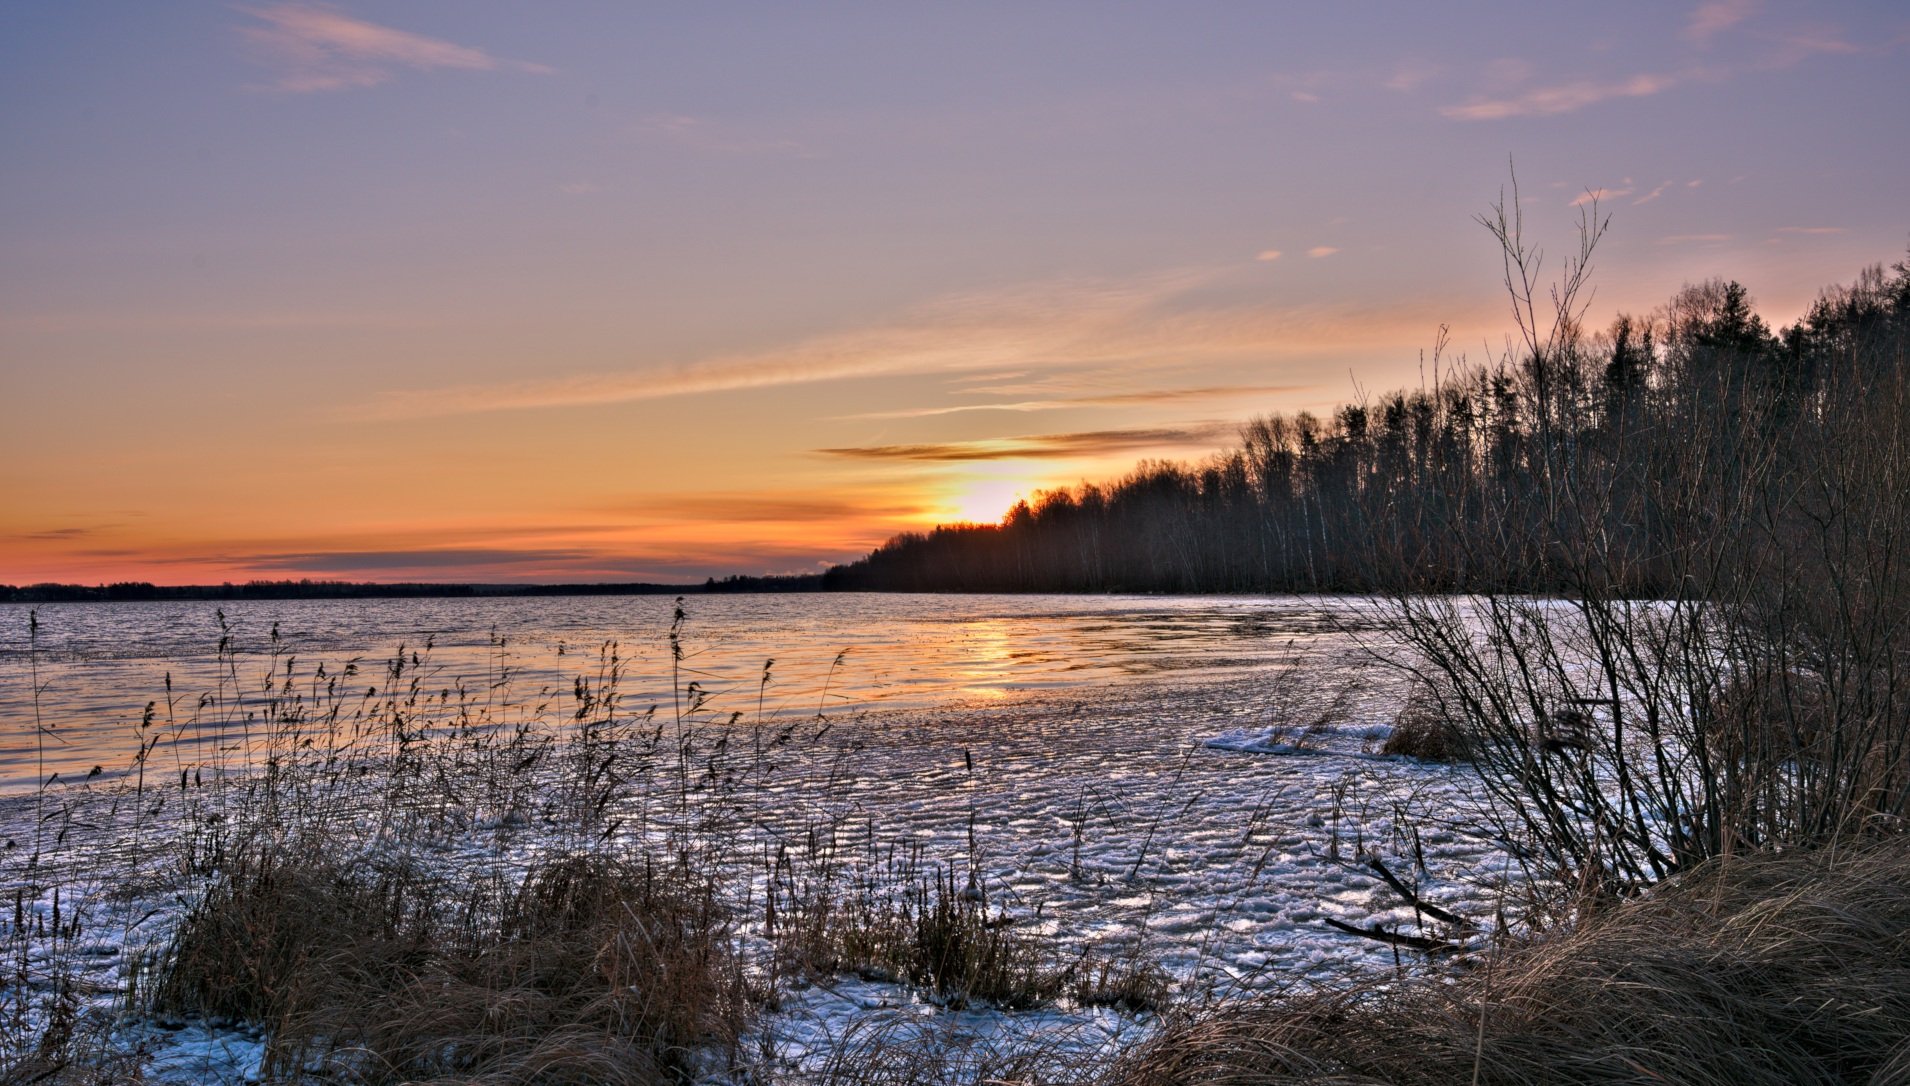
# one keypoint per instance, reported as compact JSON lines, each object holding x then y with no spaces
{"x":1191,"y":780}
{"x":101,"y":664}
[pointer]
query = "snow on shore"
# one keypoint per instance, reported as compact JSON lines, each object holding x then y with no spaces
{"x":1188,"y":822}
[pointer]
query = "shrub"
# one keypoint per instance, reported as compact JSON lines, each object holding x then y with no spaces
{"x":1773,"y":968}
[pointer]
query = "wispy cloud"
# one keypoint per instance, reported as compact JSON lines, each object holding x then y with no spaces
{"x":64,"y":535}
{"x":1812,"y":230}
{"x":1504,"y":92}
{"x":978,"y":378}
{"x":656,"y":562}
{"x":963,"y":409}
{"x":1797,"y":45}
{"x":316,"y":47}
{"x":1268,"y":255}
{"x":1151,"y":324}
{"x":1691,"y":239}
{"x":1652,"y":195}
{"x":1600,"y":195}
{"x":1319,"y":251}
{"x":644,"y":538}
{"x":1048,"y":446}
{"x":422,"y":561}
{"x":989,"y":332}
{"x":1057,"y":383}
{"x":1112,"y":399}
{"x":1561,"y":98}
{"x":754,"y":508}
{"x":1714,"y":17}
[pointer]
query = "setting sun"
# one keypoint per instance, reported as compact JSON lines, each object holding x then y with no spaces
{"x":988,"y":501}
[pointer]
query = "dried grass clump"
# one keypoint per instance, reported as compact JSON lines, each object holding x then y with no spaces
{"x":930,"y":932}
{"x":601,"y":971}
{"x":910,"y":1050}
{"x":1775,"y":968}
{"x":594,"y":970}
{"x":284,"y":931}
{"x":1424,"y":731}
{"x":1129,"y":982}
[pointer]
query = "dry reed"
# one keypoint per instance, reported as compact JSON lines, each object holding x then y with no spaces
{"x":1774,"y":968}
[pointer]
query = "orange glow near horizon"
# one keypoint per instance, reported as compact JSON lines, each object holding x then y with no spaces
{"x":611,"y":550}
{"x":364,"y":291}
{"x":988,"y":502}
{"x":668,"y":537}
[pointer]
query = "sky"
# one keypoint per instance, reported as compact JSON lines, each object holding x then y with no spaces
{"x":462,"y":290}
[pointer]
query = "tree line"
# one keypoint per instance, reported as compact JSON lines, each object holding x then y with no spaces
{"x":145,"y":591}
{"x":1500,"y":476}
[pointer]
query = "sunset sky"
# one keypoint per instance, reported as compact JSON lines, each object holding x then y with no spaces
{"x":472,"y":290}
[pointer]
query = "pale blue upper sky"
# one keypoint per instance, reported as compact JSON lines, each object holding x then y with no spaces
{"x":589,"y":284}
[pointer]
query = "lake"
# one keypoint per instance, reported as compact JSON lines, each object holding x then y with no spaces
{"x":99,"y":665}
{"x":1188,"y":782}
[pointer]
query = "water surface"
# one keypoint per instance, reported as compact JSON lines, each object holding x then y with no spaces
{"x":99,"y":666}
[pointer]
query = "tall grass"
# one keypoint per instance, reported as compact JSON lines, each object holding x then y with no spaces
{"x":1778,"y":968}
{"x":46,"y":1025}
{"x":595,"y":969}
{"x":929,"y":925}
{"x":394,"y":874}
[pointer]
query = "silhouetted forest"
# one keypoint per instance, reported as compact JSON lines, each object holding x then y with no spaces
{"x":1610,"y":462}
{"x":1643,"y":445}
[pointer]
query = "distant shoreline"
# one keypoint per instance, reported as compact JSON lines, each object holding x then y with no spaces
{"x":141,"y":592}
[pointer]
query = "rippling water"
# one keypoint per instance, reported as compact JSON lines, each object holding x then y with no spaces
{"x":99,"y":665}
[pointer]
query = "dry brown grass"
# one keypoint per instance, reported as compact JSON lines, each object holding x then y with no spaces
{"x":594,"y":970}
{"x":909,"y":1050}
{"x":282,"y":932}
{"x":602,"y":971}
{"x":1130,"y":982}
{"x":1778,"y":968}
{"x":1421,"y":730}
{"x":927,"y":930}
